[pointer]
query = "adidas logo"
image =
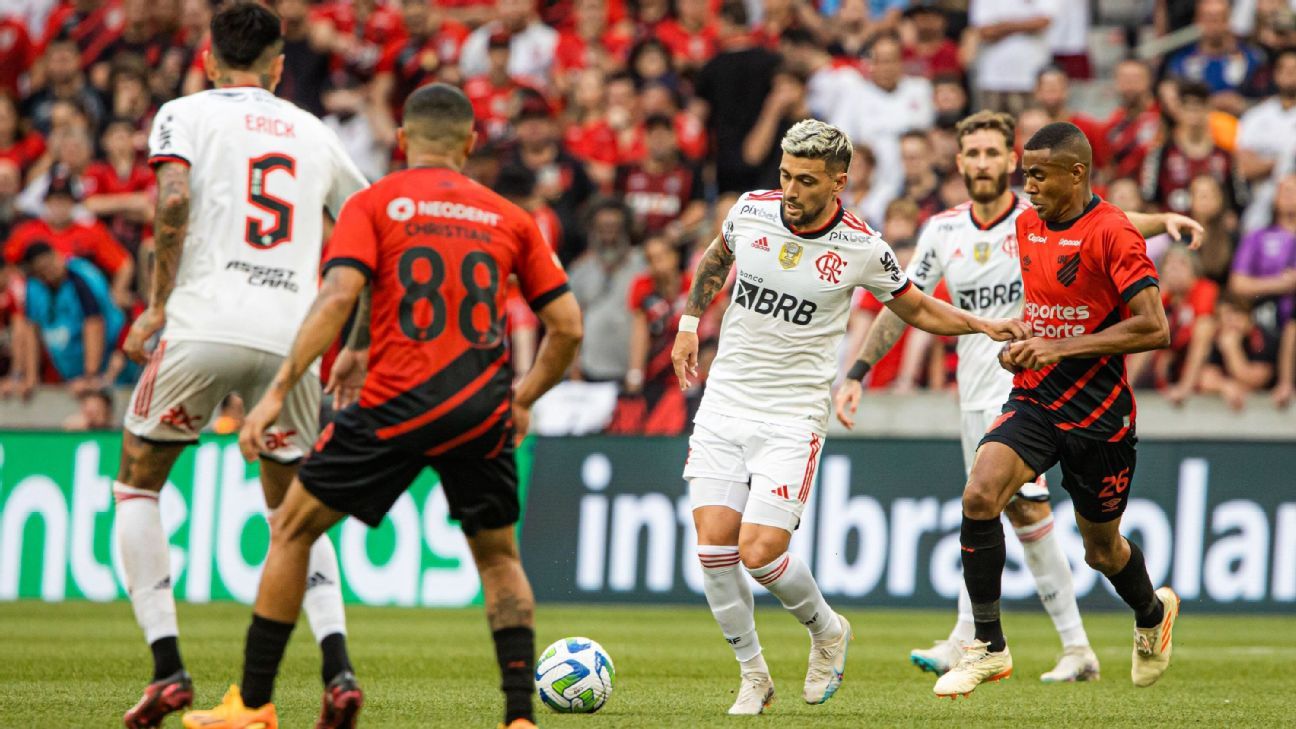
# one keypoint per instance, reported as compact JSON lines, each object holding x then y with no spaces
{"x":761,"y":244}
{"x":317,"y":579}
{"x":782,"y":492}
{"x":163,"y":584}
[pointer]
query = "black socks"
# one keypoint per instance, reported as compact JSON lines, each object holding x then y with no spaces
{"x":266,"y":641}
{"x":1135,"y":588}
{"x":515,"y":651}
{"x":333,"y":649}
{"x":983,"y":554}
{"x":166,"y":657}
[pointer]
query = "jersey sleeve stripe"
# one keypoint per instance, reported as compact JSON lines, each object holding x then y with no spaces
{"x":158,"y":160}
{"x":543,"y":300}
{"x":355,"y":263}
{"x":1132,"y":290}
{"x":902,"y":290}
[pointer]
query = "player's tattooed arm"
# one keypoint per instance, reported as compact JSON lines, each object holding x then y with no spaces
{"x":169,"y":225}
{"x":882,"y":336}
{"x":710,"y":278}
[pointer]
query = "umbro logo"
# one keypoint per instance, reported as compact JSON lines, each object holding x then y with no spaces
{"x":1069,"y":269}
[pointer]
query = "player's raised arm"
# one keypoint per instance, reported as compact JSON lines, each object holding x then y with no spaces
{"x":712,"y":272}
{"x":1145,"y":329}
{"x":169,"y":226}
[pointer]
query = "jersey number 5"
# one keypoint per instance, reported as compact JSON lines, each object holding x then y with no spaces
{"x":422,"y":272}
{"x":280,"y":231}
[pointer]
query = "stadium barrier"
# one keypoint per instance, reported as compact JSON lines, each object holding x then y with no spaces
{"x":610,"y":522}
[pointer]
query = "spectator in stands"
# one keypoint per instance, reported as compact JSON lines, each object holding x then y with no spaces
{"x":901,"y":222}
{"x":656,"y":302}
{"x":94,"y":411}
{"x":10,"y":186}
{"x":1189,"y":301}
{"x":1133,"y":127}
{"x":1011,"y":48}
{"x":1285,"y":389}
{"x":357,"y":31}
{"x":589,"y":43}
{"x":531,"y":42}
{"x":862,"y":196}
{"x":17,"y":54}
{"x":493,"y":93}
{"x":690,"y":132}
{"x":1271,"y":26}
{"x":1266,"y":141}
{"x":1230,"y":69}
{"x":664,"y":193}
{"x":852,"y":31}
{"x":731,"y":90}
{"x":786,"y":105}
{"x":691,"y":35}
{"x":307,"y":57}
{"x":74,"y":316}
{"x":132,"y":99}
{"x":90,"y":243}
{"x":928,"y":51}
{"x":949,"y":100}
{"x":1189,"y":151}
{"x":1052,"y":92}
{"x":1068,"y":38}
{"x":921,"y":183}
{"x":888,"y":105}
{"x":19,"y":358}
{"x":64,"y":81}
{"x":349,"y":116}
{"x":425,"y":53}
{"x":1208,"y":205}
{"x":561,"y":180}
{"x":1245,"y":356}
{"x":831,"y":87}
{"x":1264,"y":268}
{"x":119,"y":190}
{"x":650,"y":63}
{"x":23,"y":148}
{"x":601,"y":280}
{"x":71,"y":152}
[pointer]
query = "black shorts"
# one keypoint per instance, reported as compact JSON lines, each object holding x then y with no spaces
{"x":1096,"y":473}
{"x":351,"y":470}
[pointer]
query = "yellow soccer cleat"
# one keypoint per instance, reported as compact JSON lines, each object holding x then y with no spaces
{"x":232,"y":714}
{"x":1152,"y":646}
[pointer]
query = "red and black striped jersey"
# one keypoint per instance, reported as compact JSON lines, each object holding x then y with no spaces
{"x":1078,"y":278}
{"x":439,"y":249}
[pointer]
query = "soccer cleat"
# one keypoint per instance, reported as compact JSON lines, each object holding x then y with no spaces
{"x":230,"y":713}
{"x":827,"y":665}
{"x":1078,"y":663}
{"x":1152,"y":646}
{"x":977,"y":666}
{"x":342,"y":701}
{"x":173,"y":693}
{"x":754,"y":696}
{"x":519,"y":724}
{"x":938,"y":659}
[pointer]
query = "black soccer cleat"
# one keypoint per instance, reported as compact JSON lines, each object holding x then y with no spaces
{"x":173,"y":693}
{"x":342,"y":701}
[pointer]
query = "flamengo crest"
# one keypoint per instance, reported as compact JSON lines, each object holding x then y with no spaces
{"x":830,"y":267}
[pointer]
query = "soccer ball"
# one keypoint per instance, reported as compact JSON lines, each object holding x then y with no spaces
{"x":574,"y":676}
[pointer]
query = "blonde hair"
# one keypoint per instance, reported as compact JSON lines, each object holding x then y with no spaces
{"x":813,"y":139}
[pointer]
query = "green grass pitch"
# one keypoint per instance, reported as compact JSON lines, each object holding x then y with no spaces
{"x":81,"y":665}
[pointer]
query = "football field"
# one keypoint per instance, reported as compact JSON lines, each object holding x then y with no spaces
{"x":81,"y":665}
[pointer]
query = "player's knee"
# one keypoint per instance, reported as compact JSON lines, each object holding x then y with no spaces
{"x":1022,"y":512}
{"x":980,"y":500}
{"x":1103,"y":557}
{"x":142,"y":465}
{"x":290,"y":527}
{"x":756,"y":553}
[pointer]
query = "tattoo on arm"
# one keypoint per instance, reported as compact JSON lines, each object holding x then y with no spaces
{"x":169,"y":226}
{"x":882,"y":336}
{"x":711,"y":275}
{"x":359,"y":338}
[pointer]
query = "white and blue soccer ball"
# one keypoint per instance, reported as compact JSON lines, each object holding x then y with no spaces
{"x":574,"y":676}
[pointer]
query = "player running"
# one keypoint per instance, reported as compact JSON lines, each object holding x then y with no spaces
{"x":1091,"y":296}
{"x":437,"y":249}
{"x":974,"y":247}
{"x":759,"y":430}
{"x":244,"y":179}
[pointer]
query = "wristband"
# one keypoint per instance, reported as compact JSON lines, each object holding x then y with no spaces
{"x":688,"y":323}
{"x":859,"y":370}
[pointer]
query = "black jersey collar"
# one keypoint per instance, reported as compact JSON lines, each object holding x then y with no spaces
{"x":1066,"y":224}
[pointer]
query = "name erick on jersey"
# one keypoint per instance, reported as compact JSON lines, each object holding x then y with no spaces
{"x":1079,"y":277}
{"x":261,"y":172}
{"x":790,"y":303}
{"x":979,"y":264}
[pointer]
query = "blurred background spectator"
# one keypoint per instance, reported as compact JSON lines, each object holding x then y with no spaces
{"x":626,"y":129}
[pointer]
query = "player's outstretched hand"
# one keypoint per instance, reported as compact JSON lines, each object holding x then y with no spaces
{"x":1177,"y":225}
{"x":347,"y":377}
{"x":148,"y":324}
{"x":685,"y":358}
{"x":1006,"y":330}
{"x":255,"y":424}
{"x":847,"y":401}
{"x":1034,"y":353}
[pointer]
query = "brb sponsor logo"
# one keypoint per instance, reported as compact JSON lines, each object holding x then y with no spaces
{"x":402,"y":209}
{"x":787,"y":307}
{"x":984,"y":297}
{"x":1056,"y":321}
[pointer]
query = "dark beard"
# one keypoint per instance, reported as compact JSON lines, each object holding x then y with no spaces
{"x":1000,"y":185}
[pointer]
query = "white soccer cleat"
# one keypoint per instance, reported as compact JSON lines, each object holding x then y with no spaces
{"x":1152,"y":646}
{"x":1078,"y":663}
{"x":827,"y":665}
{"x":977,"y":666}
{"x":938,"y":659}
{"x":755,"y":694}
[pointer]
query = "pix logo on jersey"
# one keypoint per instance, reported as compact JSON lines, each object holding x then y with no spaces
{"x":830,"y":266}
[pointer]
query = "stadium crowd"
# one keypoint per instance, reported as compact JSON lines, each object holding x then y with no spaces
{"x":628,"y":127}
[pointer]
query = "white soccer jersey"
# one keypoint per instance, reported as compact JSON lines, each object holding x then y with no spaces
{"x":981,"y":270}
{"x":791,"y":300}
{"x":261,"y":173}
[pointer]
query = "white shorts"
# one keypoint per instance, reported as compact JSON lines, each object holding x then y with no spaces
{"x":975,"y":425}
{"x":186,"y":381}
{"x":763,"y":470}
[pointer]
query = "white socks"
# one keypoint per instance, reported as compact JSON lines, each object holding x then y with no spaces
{"x":323,"y":601}
{"x":146,"y":560}
{"x":1052,"y":573}
{"x":730,"y":598}
{"x":965,"y":629}
{"x":791,"y":582}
